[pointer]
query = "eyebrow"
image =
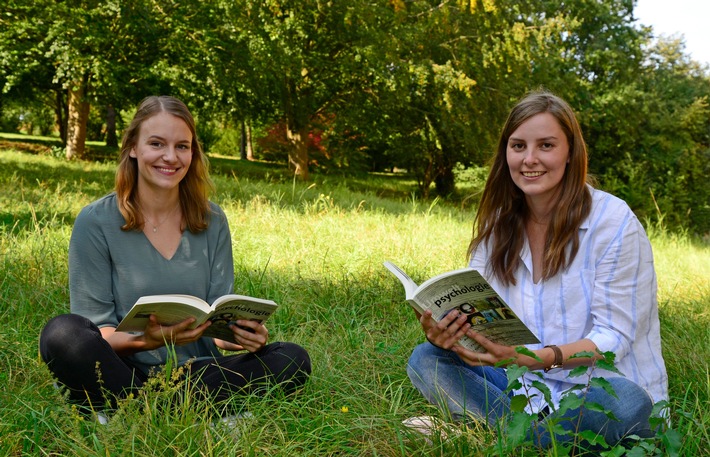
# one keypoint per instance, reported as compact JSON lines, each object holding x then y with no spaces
{"x":536,"y":139}
{"x":158,"y":137}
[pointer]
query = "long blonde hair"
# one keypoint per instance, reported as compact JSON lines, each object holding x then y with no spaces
{"x":194,"y":188}
{"x":503,"y":211}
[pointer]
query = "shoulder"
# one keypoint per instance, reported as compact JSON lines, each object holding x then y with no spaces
{"x":103,"y":209}
{"x":216,"y":213}
{"x":608,"y":209}
{"x":216,"y":219}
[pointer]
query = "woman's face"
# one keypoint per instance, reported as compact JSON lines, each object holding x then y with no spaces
{"x":537,"y":155}
{"x":163,"y":151}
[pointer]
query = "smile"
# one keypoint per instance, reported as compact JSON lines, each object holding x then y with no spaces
{"x":166,"y":170}
{"x":532,"y":174}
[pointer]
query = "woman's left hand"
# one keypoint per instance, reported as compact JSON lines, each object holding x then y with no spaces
{"x":249,"y":335}
{"x":495,"y":352}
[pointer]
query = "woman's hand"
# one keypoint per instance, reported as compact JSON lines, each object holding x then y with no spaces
{"x":157,"y":335}
{"x":445,"y":333}
{"x":249,"y":335}
{"x":495,"y":352}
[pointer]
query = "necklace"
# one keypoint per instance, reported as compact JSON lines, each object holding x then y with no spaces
{"x":155,"y":227}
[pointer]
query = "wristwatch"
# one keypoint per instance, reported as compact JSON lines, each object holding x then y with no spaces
{"x":557,"y":363}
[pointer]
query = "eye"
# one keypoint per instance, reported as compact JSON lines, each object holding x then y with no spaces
{"x":547,"y":145}
{"x":517,"y":146}
{"x":156,"y":144}
{"x":184,"y":147}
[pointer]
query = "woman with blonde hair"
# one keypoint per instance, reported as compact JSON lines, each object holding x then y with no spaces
{"x":157,"y":233}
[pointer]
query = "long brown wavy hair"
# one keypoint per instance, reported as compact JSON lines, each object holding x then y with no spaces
{"x":503,"y":211}
{"x":195,"y":186}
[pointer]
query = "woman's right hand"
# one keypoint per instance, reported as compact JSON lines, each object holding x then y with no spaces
{"x":157,"y":335}
{"x":448,"y":331}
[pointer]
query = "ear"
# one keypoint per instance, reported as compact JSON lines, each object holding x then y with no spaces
{"x":133,"y":152}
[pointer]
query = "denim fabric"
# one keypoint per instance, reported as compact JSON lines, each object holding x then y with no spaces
{"x":464,"y":392}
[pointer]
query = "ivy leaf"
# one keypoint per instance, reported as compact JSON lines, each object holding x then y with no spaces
{"x":542,"y":387}
{"x":604,"y":384}
{"x":593,"y":438}
{"x":518,"y":403}
{"x":609,"y":366}
{"x":579,"y":371}
{"x":672,"y":440}
{"x":593,"y":406}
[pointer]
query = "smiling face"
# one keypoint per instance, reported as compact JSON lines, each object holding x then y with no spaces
{"x":537,"y":154}
{"x":163,"y":152}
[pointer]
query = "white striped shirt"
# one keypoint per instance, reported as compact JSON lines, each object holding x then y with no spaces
{"x":607,"y":294}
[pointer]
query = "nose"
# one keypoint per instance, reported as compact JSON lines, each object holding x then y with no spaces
{"x":169,"y":153}
{"x":530,"y":156}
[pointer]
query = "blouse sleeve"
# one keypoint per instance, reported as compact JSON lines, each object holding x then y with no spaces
{"x":90,"y":282}
{"x":624,"y":284}
{"x":222,"y":264}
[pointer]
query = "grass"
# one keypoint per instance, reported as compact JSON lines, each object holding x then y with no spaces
{"x":316,"y":248}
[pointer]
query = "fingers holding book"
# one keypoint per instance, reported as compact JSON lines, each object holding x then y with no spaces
{"x":158,"y":335}
{"x":251,"y":335}
{"x":448,"y":331}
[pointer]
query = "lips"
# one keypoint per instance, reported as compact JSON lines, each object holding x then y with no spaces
{"x":166,"y":170}
{"x":532,"y":174}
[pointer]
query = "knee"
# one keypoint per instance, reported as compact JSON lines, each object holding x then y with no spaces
{"x":631,"y":407}
{"x":294,"y":366}
{"x":423,"y":365}
{"x":62,"y":336}
{"x":635,"y":405}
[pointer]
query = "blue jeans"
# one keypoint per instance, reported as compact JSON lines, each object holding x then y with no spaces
{"x":479,"y":392}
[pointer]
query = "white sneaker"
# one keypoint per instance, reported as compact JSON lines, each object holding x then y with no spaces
{"x":426,"y":425}
{"x":230,"y":424}
{"x":101,"y":418}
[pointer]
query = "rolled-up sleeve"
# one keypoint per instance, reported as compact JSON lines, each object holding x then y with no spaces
{"x":621,"y":283}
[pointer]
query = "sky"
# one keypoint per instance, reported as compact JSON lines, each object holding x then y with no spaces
{"x":686,"y":17}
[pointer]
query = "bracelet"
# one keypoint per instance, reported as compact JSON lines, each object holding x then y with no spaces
{"x":557,"y":364}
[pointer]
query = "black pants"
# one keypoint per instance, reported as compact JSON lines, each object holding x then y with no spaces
{"x":77,"y":354}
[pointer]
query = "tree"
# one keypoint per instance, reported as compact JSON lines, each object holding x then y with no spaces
{"x":302,"y":57}
{"x":83,"y":50}
{"x":449,"y":73}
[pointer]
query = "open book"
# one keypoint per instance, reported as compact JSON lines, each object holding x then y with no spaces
{"x":470,"y":293}
{"x":171,"y":309}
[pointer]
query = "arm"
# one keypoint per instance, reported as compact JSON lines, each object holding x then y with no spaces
{"x":498,"y":353}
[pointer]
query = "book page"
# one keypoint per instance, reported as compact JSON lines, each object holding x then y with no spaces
{"x":169,"y":310}
{"x":409,"y":285}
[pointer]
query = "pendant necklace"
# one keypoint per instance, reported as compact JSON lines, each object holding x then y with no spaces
{"x":155,"y":227}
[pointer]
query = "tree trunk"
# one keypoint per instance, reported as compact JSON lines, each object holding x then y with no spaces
{"x":250,"y":146}
{"x":76,"y":121}
{"x":298,"y":152}
{"x":243,"y":140}
{"x":60,"y":113}
{"x":445,"y":181}
{"x":111,"y":137}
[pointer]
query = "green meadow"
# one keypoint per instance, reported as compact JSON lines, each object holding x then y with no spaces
{"x":316,"y":248}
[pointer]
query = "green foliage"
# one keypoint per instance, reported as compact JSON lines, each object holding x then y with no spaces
{"x":417,"y":85}
{"x":523,"y":429}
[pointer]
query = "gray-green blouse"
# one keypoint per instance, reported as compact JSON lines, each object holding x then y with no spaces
{"x":109,"y":269}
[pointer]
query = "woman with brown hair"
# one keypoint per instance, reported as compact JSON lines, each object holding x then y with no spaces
{"x":575,"y":265}
{"x":157,"y":233}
